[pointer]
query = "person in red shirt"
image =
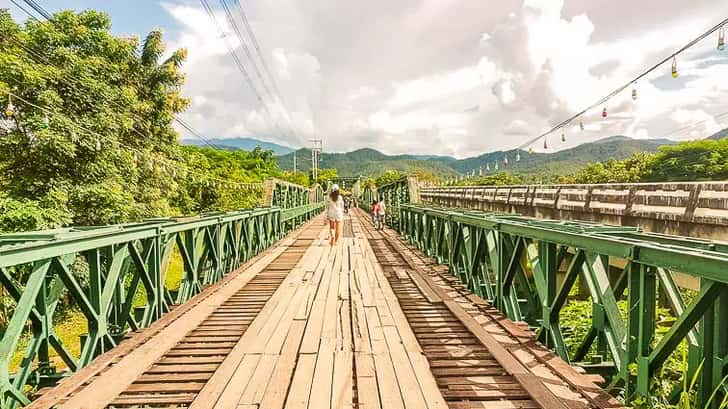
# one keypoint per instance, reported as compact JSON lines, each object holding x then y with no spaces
{"x":374,"y":212}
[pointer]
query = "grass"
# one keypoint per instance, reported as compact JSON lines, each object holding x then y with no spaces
{"x":69,"y":326}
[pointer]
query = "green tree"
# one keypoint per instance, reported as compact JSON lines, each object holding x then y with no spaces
{"x":687,"y":161}
{"x":388,"y":176}
{"x":498,"y":179}
{"x":324,"y":175}
{"x":87,"y":79}
{"x":298,"y":178}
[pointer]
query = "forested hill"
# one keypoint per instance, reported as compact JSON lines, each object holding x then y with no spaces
{"x":371,"y":162}
{"x":245,"y":144}
{"x":367,"y":162}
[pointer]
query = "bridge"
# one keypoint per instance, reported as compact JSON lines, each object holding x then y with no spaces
{"x":456,"y":306}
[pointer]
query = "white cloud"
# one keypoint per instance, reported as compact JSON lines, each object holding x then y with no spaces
{"x":401,"y":76}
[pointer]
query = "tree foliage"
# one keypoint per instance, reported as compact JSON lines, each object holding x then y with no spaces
{"x":687,"y":161}
{"x":497,"y":179}
{"x":388,"y":176}
{"x":323,"y":177}
{"x":89,"y":138}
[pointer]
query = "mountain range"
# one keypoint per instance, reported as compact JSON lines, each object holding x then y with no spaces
{"x":373,"y":163}
{"x":246,"y":144}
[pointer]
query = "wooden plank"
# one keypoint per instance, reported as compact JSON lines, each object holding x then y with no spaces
{"x":420,"y":369}
{"x":253,"y":393}
{"x":341,"y":391}
{"x":220,"y":379}
{"x":242,"y":376}
{"x":534,"y":386}
{"x":102,"y":390}
{"x":300,"y":391}
{"x":236,"y":278}
{"x":412,"y":394}
{"x":312,"y":335}
{"x":387,"y":384}
{"x":366,"y":381}
{"x":277,"y":388}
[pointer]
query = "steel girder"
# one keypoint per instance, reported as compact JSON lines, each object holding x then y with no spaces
{"x":404,"y":190}
{"x":106,"y":271}
{"x":526,"y":267}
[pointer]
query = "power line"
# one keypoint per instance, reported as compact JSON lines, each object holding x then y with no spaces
{"x":250,"y":56}
{"x":264,"y":64}
{"x":621,"y":88}
{"x":38,"y":8}
{"x":239,"y":64}
{"x":18,"y":5}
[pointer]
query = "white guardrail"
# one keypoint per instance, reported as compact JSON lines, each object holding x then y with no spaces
{"x":695,"y":202}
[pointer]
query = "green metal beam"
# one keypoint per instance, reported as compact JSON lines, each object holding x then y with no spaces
{"x":628,"y":343}
{"x":120,"y":262}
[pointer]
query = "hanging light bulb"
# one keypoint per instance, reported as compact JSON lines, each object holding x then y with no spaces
{"x":581,"y":123}
{"x":98,"y":144}
{"x":634,"y":92}
{"x":487,"y":167}
{"x":164,"y":168}
{"x":518,"y":156}
{"x":74,"y":136}
{"x":496,"y":165}
{"x":563,"y":137}
{"x":674,"y":68}
{"x":505,"y":161}
{"x":604,"y":112}
{"x":545,"y":143}
{"x":721,"y":39}
{"x":10,"y":108}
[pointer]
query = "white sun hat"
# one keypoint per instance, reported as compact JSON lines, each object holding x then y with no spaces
{"x":334,"y":187}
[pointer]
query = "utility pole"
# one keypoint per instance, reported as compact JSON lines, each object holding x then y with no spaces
{"x":316,"y":148}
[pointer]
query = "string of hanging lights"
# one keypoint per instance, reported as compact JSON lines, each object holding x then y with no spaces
{"x":719,"y":28}
{"x":11,"y":111}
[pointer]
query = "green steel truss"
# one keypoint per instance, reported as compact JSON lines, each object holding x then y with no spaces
{"x":288,"y":195}
{"x":527,"y":268}
{"x":351,"y":183}
{"x":117,"y":276}
{"x":404,"y":190}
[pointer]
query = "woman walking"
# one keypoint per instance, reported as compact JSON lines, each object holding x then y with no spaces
{"x":334,"y":214}
{"x":381,"y":214}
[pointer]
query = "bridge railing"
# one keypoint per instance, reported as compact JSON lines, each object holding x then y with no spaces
{"x":396,"y":193}
{"x":121,"y":277}
{"x":527,"y":267}
{"x":688,"y":205}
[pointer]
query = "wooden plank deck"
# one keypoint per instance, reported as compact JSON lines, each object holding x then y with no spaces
{"x":349,"y":326}
{"x":337,"y":340}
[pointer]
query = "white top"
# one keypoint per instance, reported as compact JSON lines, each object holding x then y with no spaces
{"x":335,"y":210}
{"x":381,"y":208}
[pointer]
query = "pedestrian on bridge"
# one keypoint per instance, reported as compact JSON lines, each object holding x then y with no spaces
{"x":334,"y":214}
{"x":381,"y":210}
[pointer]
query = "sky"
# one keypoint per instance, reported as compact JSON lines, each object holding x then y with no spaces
{"x":445,"y":77}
